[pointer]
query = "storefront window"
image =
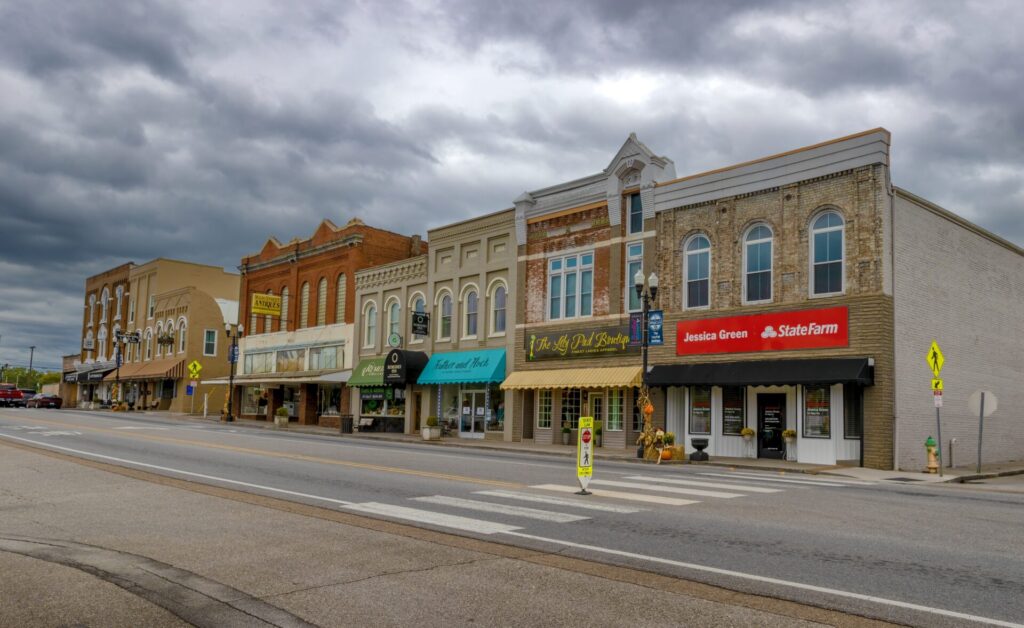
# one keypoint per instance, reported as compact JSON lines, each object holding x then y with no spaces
{"x":496,"y":422}
{"x":700,"y":410}
{"x":290,"y":360}
{"x":258,"y":362}
{"x":324,"y":357}
{"x":544,"y":408}
{"x":817,"y":412}
{"x":571,"y":398}
{"x":637,"y":418}
{"x":596,"y":406}
{"x":616,"y":406}
{"x":328,"y":399}
{"x":251,"y":396}
{"x":732,"y":410}
{"x":853,"y":417}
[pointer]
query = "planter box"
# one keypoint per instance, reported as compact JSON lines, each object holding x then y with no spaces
{"x":431,"y":433}
{"x":280,"y":421}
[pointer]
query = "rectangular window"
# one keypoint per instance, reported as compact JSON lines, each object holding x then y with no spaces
{"x":732,"y":410}
{"x":636,"y":214}
{"x":634,"y":263}
{"x":571,"y":286}
{"x":324,"y":357}
{"x":616,"y":401}
{"x":817,"y":412}
{"x":700,"y":410}
{"x":571,"y":398}
{"x":759,"y":271}
{"x":291,"y":360}
{"x":152,"y":307}
{"x":209,"y":342}
{"x":131,"y":310}
{"x":544,"y":408}
{"x":853,"y":416}
{"x":597,"y":407}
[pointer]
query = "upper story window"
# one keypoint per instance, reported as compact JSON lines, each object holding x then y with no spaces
{"x":827,"y":254}
{"x":92,"y":309}
{"x":394,"y":318}
{"x":119,"y":293}
{"x":419,"y":305}
{"x":571,"y":286}
{"x":268,"y":320}
{"x":159,"y":333}
{"x":444,"y":322}
{"x":252,"y":318}
{"x":304,"y":306}
{"x":757,"y":263}
{"x":321,"y":302}
{"x":149,"y":344}
{"x":210,"y":342}
{"x":131,"y":309}
{"x":284,"y":309}
{"x":470,"y":307}
{"x":634,"y":264}
{"x":182,"y":329}
{"x":499,"y":298}
{"x":101,"y":341}
{"x":697,"y":270}
{"x":339,"y":305}
{"x":369,"y":324}
{"x":152,"y":307}
{"x":104,"y":305}
{"x":635,"y":223}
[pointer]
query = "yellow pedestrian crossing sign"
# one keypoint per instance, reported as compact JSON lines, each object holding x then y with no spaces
{"x":193,"y":368}
{"x":936,"y":384}
{"x":935,"y":359}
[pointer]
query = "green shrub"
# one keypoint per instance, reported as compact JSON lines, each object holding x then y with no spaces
{"x":282,"y":411}
{"x":431,"y":421}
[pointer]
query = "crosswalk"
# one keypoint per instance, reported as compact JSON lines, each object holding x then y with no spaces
{"x":552,"y":503}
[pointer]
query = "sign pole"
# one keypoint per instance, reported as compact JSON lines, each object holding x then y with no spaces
{"x":938,"y":427}
{"x":981,"y":427}
{"x":585,"y":454}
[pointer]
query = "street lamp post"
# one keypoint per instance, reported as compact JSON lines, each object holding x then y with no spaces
{"x":119,"y":340}
{"x":643,"y":402}
{"x":232,"y":359}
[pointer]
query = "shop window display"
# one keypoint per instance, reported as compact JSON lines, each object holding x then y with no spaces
{"x":700,"y":410}
{"x":817,"y":412}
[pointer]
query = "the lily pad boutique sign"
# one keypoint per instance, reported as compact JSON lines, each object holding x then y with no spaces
{"x":602,"y":341}
{"x":777,"y":331}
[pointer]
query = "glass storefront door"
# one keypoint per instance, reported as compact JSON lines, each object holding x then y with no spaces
{"x":472,"y":411}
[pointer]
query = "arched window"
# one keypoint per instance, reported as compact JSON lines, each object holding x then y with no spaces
{"x":149,"y":344}
{"x":92,"y":309}
{"x":499,"y":299}
{"x":470,"y":307}
{"x":101,"y":343}
{"x":89,"y":343}
{"x":159,"y":332}
{"x":418,"y":305}
{"x":284,"y":309}
{"x":339,"y":307}
{"x":252,"y":317}
{"x":304,"y":306}
{"x":827,"y":254}
{"x":104,"y":304}
{"x":370,"y":324}
{"x":697,"y":270}
{"x":268,"y":320}
{"x":182,"y":328}
{"x":757,"y":262}
{"x":119,"y":292}
{"x":444,"y":322}
{"x":321,"y":302}
{"x":394,"y":317}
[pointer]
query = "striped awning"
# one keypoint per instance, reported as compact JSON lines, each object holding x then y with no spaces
{"x":609,"y":377}
{"x":171,"y":368}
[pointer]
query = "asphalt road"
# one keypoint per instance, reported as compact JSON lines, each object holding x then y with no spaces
{"x":921,"y":555}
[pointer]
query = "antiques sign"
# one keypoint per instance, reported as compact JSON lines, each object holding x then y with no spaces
{"x":602,"y":341}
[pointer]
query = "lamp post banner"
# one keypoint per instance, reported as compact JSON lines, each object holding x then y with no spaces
{"x":777,"y":331}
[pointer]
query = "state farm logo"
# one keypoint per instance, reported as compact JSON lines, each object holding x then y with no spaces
{"x":810,"y":329}
{"x":769,"y":332}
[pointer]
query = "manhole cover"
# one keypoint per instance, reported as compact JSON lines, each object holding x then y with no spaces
{"x":904,"y":479}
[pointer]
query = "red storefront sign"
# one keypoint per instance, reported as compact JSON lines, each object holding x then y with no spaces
{"x":778,"y":331}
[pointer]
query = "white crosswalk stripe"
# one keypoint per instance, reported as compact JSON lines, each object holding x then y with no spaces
{"x":773,"y":479}
{"x":636,"y":497}
{"x":746,"y":488}
{"x":503,"y":509}
{"x":667,"y":489}
{"x":580,"y":502}
{"x":454,"y":522}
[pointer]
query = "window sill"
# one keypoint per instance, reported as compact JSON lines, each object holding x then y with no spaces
{"x":469,"y":338}
{"x":697,"y":308}
{"x":827,"y":295}
{"x":764,"y":302}
{"x":499,"y":334}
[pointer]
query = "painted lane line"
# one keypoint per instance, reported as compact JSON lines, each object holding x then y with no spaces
{"x":560,"y":501}
{"x":779,"y":480}
{"x":146,"y":465}
{"x":810,"y":479}
{"x":501,"y":509}
{"x":636,"y":497}
{"x":433,"y":518}
{"x":666,"y":489}
{"x":774,"y":581}
{"x":140,"y":427}
{"x":736,"y":487}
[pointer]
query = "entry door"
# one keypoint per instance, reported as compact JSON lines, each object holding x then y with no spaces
{"x":471,"y":414}
{"x":771,"y":420}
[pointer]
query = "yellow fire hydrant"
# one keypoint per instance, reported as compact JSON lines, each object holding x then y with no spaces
{"x":933,"y":462}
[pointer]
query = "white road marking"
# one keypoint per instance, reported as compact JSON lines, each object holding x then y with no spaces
{"x":503,"y":509}
{"x":666,"y":489}
{"x":140,"y":427}
{"x":772,"y":479}
{"x":636,"y":497}
{"x":810,"y":479}
{"x":58,"y":433}
{"x":774,"y":581}
{"x":560,"y":501}
{"x":178,"y":471}
{"x":434,"y":518}
{"x":738,"y":487}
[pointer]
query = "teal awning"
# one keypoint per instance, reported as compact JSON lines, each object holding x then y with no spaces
{"x":464,"y":367}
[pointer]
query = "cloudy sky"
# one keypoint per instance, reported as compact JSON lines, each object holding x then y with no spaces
{"x":136,"y":129}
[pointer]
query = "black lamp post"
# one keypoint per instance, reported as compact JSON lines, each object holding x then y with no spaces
{"x":646,"y":297}
{"x":232,"y":359}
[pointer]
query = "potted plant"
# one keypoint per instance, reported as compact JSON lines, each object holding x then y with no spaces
{"x":789,"y":436}
{"x":597,"y":434}
{"x":747,"y":433}
{"x":432,"y":431}
{"x":281,"y":417}
{"x":566,"y":433}
{"x":667,"y":440}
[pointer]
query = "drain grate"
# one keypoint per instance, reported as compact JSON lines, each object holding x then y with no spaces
{"x":904,"y":479}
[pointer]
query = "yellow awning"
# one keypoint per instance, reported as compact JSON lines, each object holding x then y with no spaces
{"x":610,"y":377}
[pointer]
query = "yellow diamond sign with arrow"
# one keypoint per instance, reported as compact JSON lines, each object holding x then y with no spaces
{"x":937,"y":384}
{"x":193,"y":368}
{"x":935,"y":359}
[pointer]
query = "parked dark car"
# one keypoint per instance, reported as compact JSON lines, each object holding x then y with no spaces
{"x":45,"y":400}
{"x":11,"y":396}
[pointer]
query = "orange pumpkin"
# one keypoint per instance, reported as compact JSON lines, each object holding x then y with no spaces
{"x":648,"y":410}
{"x":666,"y":454}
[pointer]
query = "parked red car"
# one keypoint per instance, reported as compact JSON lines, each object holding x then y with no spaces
{"x":11,"y":397}
{"x":45,"y":400}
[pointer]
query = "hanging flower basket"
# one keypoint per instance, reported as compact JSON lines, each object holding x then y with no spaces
{"x":165,"y":339}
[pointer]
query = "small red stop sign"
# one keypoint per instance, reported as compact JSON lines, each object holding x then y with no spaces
{"x":586,"y":436}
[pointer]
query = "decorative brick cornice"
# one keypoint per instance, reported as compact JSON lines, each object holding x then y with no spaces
{"x":394,"y":274}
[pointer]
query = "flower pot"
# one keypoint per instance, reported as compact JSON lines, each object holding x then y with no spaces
{"x":431,"y":432}
{"x":597,"y":440}
{"x":280,"y":421}
{"x":748,"y":437}
{"x":565,"y":437}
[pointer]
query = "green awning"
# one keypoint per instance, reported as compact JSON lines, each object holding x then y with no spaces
{"x":369,"y":372}
{"x":464,"y":367}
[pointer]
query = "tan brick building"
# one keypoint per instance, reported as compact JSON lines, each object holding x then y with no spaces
{"x":104,"y":313}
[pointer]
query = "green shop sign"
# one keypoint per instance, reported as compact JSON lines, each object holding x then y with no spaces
{"x":590,"y":343}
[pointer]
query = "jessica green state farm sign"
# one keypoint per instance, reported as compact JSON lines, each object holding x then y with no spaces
{"x":778,"y":331}
{"x":579,"y":344}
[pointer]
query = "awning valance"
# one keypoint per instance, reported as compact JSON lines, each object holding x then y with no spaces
{"x":94,"y":376}
{"x":297,"y":377}
{"x":765,"y":373}
{"x":369,"y":372}
{"x":464,"y":367}
{"x":127,"y":370}
{"x":608,"y":377}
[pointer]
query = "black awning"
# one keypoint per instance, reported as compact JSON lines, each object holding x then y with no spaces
{"x":765,"y":373}
{"x":402,"y":367}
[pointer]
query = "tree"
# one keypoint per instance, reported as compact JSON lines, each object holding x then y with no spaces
{"x":20,"y":377}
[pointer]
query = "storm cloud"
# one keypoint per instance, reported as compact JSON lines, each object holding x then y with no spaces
{"x":136,"y":129}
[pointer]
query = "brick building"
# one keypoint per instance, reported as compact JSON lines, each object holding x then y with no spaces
{"x":105,"y":312}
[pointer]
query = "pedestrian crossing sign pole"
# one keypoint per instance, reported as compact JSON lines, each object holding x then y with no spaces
{"x":935,"y":360}
{"x":585,"y":453}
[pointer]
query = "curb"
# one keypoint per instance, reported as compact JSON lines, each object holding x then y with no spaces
{"x":987,"y":476}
